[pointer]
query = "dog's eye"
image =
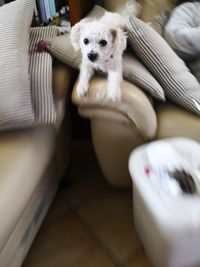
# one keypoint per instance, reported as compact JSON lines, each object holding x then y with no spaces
{"x":86,"y":41}
{"x":103,"y":42}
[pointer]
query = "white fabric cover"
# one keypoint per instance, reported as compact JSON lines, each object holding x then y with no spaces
{"x":182,"y":31}
{"x":168,"y":226}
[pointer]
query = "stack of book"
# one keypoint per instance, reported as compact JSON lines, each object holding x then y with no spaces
{"x":46,"y":11}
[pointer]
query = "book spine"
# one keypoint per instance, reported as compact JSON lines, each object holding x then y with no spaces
{"x":47,"y":9}
{"x":52,"y":8}
{"x":42,"y":11}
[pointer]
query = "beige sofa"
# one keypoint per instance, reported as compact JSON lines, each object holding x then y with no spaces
{"x":118,"y":129}
{"x":31,"y":165}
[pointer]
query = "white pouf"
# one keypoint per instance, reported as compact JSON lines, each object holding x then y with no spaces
{"x":167,"y":224}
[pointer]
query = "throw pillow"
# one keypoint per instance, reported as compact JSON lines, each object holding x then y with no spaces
{"x":60,"y":47}
{"x":135,"y":71}
{"x":15,"y":92}
{"x":41,"y":77}
{"x":159,"y":21}
{"x":171,"y":72}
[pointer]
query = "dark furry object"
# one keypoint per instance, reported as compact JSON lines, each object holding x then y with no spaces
{"x":185,"y":181}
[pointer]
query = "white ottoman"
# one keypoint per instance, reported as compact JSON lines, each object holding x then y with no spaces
{"x":167,"y":225}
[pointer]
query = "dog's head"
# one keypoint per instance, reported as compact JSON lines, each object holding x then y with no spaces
{"x":97,"y":41}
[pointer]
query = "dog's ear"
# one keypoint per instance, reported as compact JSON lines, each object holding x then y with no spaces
{"x":119,"y":37}
{"x":75,"y":36}
{"x":114,"y":34}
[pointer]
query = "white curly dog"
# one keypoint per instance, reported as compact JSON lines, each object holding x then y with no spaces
{"x":102,"y":42}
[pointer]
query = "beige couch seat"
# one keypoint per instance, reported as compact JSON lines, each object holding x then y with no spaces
{"x":32,"y":163}
{"x":24,"y":157}
{"x":175,"y":121}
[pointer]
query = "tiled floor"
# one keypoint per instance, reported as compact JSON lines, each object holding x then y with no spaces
{"x":89,"y":223}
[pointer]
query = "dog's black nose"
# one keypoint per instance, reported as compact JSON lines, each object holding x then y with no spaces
{"x":92,"y":56}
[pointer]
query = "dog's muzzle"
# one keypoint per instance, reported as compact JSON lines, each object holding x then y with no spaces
{"x":92,"y":56}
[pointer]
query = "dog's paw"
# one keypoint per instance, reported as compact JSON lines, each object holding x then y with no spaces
{"x":81,"y":89}
{"x":114,"y":95}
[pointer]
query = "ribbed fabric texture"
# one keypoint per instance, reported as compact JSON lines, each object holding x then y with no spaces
{"x":26,"y":95}
{"x":133,"y":70}
{"x":171,"y":72}
{"x":136,"y":72}
{"x":15,"y":92}
{"x":41,"y":77}
{"x":159,"y":21}
{"x":61,"y":48}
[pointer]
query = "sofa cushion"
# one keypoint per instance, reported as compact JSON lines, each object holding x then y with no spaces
{"x":15,"y":93}
{"x":41,"y":78}
{"x":61,"y":48}
{"x":174,"y":121}
{"x":133,"y":69}
{"x":136,"y":72}
{"x":171,"y":72}
{"x":159,"y":21}
{"x":24,"y":156}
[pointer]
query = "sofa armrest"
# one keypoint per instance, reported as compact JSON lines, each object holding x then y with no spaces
{"x":134,"y":106}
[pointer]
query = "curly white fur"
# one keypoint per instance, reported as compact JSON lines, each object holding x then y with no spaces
{"x":102,"y":43}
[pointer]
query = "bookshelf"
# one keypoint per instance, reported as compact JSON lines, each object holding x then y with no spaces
{"x":53,"y":11}
{"x":78,"y":9}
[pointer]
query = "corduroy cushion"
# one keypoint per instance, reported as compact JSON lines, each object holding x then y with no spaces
{"x":61,"y":48}
{"x":171,"y":72}
{"x":41,"y":78}
{"x":15,"y":92}
{"x":133,"y":70}
{"x":159,"y":21}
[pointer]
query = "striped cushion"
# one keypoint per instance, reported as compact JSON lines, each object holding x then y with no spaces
{"x":133,"y":70}
{"x":159,"y":21}
{"x":171,"y":72}
{"x":60,"y":47}
{"x":41,"y":77}
{"x":15,"y":94}
{"x":136,"y":72}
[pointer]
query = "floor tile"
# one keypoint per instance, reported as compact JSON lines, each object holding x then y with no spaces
{"x":84,"y":177}
{"x":109,"y":215}
{"x":58,"y":209}
{"x":66,"y":244}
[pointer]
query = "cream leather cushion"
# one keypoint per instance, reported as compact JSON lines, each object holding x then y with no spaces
{"x":132,"y":105}
{"x":24,"y":156}
{"x":174,"y":121}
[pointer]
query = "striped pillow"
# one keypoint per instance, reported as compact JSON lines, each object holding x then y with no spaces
{"x":171,"y":72}
{"x":133,"y":70}
{"x":41,"y":77}
{"x":15,"y":93}
{"x":60,"y":47}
